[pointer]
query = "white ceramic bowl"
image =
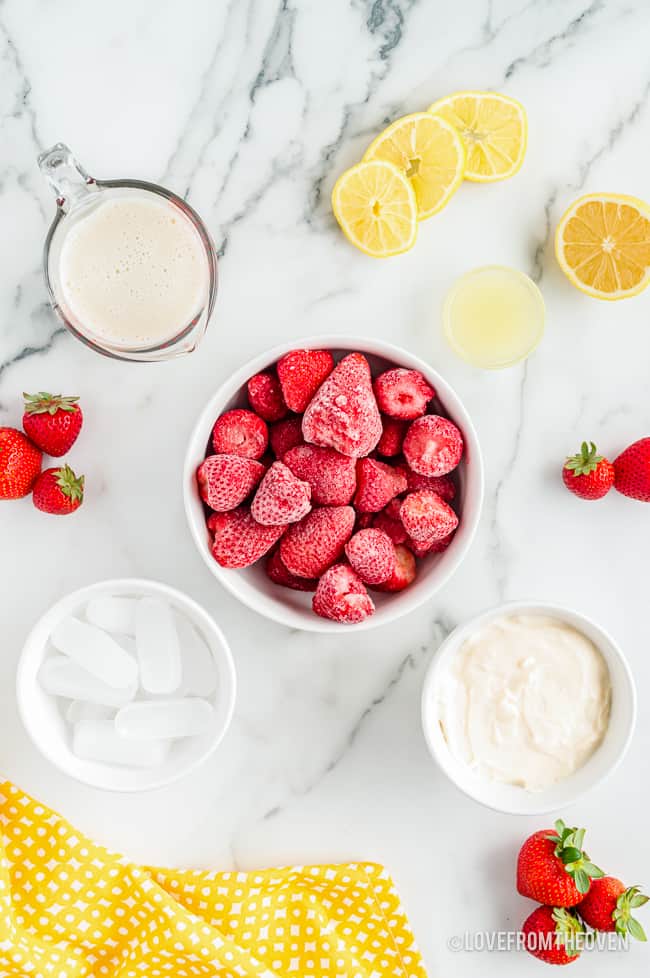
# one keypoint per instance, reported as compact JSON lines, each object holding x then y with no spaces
{"x":508,"y":798}
{"x":42,"y":716}
{"x":292,"y":608}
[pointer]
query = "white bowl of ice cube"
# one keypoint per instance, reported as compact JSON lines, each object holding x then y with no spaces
{"x":126,"y":685}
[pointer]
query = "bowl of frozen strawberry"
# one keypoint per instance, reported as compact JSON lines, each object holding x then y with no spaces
{"x":335,"y":484}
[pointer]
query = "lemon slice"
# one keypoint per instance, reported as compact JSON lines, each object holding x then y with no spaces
{"x":429,"y":152}
{"x":493,"y":128}
{"x":603,"y":245}
{"x":375,"y":205}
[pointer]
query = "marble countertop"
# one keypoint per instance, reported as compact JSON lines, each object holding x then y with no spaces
{"x":252,"y":109}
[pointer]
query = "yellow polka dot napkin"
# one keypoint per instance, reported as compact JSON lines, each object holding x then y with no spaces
{"x":69,"y":908}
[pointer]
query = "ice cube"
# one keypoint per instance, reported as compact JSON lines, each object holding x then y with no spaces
{"x":98,"y":740}
{"x":60,"y":676}
{"x":199,"y":672}
{"x":80,"y":711}
{"x":158,"y":648}
{"x":164,"y":719}
{"x":112,"y":614}
{"x":95,"y":651}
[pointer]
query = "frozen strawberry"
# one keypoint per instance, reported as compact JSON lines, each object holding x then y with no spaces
{"x":265,"y":396}
{"x":427,"y":517}
{"x":405,"y":571}
{"x":226,"y":480}
{"x":426,"y":550}
{"x":240,"y":432}
{"x":332,"y":476}
{"x":281,"y":497}
{"x":389,"y":521}
{"x":363,"y":521}
{"x":392,"y":437}
{"x":443,"y":485}
{"x":239,"y":540}
{"x":377,"y":484}
{"x":343,"y":413}
{"x":433,"y":445}
{"x":403,"y":393}
{"x":279,"y":574}
{"x":372,"y":555}
{"x":341,"y":596}
{"x":301,"y":373}
{"x":314,"y":544}
{"x":285,"y":435}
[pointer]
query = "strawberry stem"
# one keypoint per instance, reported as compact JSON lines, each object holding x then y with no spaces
{"x":568,"y":848}
{"x":69,"y":484}
{"x":586,"y":461}
{"x":44,"y":403}
{"x":626,"y":924}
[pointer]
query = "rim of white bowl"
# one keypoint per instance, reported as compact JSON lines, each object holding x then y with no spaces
{"x":372,"y":347}
{"x":226,"y":666}
{"x":469,"y":627}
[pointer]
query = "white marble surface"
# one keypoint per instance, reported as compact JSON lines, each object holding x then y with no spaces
{"x":251,"y":108}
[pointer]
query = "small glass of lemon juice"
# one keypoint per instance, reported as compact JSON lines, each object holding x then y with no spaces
{"x":494,"y":316}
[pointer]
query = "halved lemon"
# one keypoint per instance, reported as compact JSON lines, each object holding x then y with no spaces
{"x":603,"y":245}
{"x":375,"y":205}
{"x":429,"y":152}
{"x":493,"y":128}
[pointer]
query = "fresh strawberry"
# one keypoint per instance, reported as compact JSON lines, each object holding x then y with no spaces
{"x":341,"y":596}
{"x":279,"y":574}
{"x":392,"y":437}
{"x":609,"y":906}
{"x":52,"y":422}
{"x":314,"y":544}
{"x":403,"y":393}
{"x":377,"y":484}
{"x":443,"y":485}
{"x":20,"y":463}
{"x":343,"y":413}
{"x":240,"y":432}
{"x":632,"y":471}
{"x":427,"y":517}
{"x":553,"y":935}
{"x":372,"y":555}
{"x":588,"y":474}
{"x":405,"y":571}
{"x":265,"y":396}
{"x":281,"y":497}
{"x":239,"y":540}
{"x":301,"y":373}
{"x":433,"y":445}
{"x":58,"y":491}
{"x":553,"y":868}
{"x":389,"y":521}
{"x":226,"y":480}
{"x":332,"y":476}
{"x":285,"y":435}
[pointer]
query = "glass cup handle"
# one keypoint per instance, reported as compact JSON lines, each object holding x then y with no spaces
{"x":65,"y":175}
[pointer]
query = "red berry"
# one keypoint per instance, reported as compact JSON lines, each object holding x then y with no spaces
{"x":372,"y":555}
{"x":226,"y":480}
{"x":608,"y":906}
{"x":403,"y":393}
{"x":265,"y":397}
{"x":285,"y":435}
{"x":427,"y":549}
{"x":404,"y":573}
{"x":58,"y":491}
{"x":314,"y":544}
{"x":427,"y":517}
{"x":392,"y":437}
{"x":343,"y":413}
{"x":433,"y":445}
{"x":52,"y":422}
{"x":279,"y":574}
{"x":341,"y":596}
{"x":389,"y":521}
{"x":552,"y":867}
{"x":443,"y":485}
{"x":554,"y":935}
{"x":301,"y":373}
{"x":20,"y":463}
{"x":377,"y":484}
{"x":238,"y":539}
{"x":281,"y":497}
{"x":588,"y":474}
{"x":332,"y":476}
{"x":632,"y":471}
{"x":240,"y":432}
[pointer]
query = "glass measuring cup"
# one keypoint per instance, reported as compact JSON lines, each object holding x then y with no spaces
{"x":78,"y":197}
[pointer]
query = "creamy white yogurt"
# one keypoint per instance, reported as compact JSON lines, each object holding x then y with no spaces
{"x":525,"y":701}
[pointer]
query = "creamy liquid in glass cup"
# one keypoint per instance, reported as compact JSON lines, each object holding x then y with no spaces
{"x":133,"y":271}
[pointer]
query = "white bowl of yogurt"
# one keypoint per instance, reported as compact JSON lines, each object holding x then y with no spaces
{"x":528,"y":706}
